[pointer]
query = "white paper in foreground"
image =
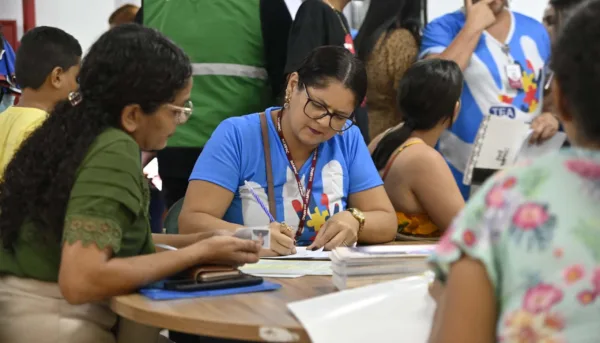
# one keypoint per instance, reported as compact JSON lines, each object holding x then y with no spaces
{"x":389,"y":312}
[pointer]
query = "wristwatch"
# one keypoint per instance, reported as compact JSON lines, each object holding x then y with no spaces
{"x":359,"y":216}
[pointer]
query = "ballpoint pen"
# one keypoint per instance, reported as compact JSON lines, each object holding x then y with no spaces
{"x":165,"y":246}
{"x":262,"y":205}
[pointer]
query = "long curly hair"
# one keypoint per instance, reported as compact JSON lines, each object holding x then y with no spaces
{"x":129,"y":64}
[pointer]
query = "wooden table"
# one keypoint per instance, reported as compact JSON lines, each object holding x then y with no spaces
{"x":233,"y":317}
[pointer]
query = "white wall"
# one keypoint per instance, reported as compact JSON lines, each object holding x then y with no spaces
{"x":532,"y":8}
{"x":13,"y":10}
{"x":86,"y":20}
{"x":119,"y":3}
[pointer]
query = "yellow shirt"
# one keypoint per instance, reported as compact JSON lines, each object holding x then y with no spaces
{"x":16,"y":123}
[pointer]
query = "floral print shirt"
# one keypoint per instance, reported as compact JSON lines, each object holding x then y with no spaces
{"x":536,"y":229}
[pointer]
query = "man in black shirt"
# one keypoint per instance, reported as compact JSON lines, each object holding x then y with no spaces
{"x":317,"y":23}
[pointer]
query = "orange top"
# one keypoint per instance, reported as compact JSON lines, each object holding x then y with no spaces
{"x":418,"y":225}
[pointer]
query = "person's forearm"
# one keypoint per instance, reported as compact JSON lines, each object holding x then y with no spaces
{"x":548,"y":105}
{"x":120,"y":276}
{"x":380,"y":227}
{"x":201,"y":222}
{"x":435,"y":327}
{"x":434,"y":336}
{"x":462,"y":47}
{"x":180,"y":241}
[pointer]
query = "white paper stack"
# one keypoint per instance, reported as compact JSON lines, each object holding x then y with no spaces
{"x":361,"y":266}
{"x":287,"y":268}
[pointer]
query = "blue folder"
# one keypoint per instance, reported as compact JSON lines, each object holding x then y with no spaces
{"x":163,"y":294}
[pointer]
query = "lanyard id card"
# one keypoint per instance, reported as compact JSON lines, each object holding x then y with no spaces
{"x":513,"y":72}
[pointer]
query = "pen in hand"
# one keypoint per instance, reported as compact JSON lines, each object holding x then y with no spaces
{"x":262,"y":205}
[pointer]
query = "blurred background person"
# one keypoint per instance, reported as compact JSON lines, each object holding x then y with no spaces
{"x":123,"y":15}
{"x":47,"y":67}
{"x":555,"y":13}
{"x":416,"y":176}
{"x":8,"y":87}
{"x":388,"y":43}
{"x":485,"y":39}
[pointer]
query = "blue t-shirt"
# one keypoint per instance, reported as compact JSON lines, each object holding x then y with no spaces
{"x":8,"y":89}
{"x":234,"y":153}
{"x":486,"y":89}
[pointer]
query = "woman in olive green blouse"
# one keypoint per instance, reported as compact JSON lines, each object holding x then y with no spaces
{"x":74,"y":227}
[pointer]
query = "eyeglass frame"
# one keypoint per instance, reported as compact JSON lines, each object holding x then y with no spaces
{"x":350,"y":118}
{"x":184,"y":113}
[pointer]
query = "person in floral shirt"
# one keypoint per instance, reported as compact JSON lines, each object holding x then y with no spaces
{"x":521,"y":263}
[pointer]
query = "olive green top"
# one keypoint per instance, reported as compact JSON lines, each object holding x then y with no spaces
{"x":108,"y":206}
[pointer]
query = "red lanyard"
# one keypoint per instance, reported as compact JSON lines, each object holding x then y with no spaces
{"x":305,"y":194}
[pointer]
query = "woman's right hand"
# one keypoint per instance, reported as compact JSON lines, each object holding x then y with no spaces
{"x":227,"y":250}
{"x":282,"y":239}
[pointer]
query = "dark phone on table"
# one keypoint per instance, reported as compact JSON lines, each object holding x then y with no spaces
{"x":191,"y":285}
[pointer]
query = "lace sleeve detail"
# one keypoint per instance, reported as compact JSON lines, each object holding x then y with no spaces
{"x":103,"y":232}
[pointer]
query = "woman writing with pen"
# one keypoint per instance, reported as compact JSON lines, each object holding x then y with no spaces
{"x":325,"y":190}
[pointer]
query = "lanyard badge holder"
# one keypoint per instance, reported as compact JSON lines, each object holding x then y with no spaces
{"x":513,"y":70}
{"x":304,"y":192}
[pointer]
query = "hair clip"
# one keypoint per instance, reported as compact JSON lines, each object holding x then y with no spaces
{"x":75,"y":98}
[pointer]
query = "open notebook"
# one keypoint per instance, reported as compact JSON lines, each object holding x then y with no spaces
{"x":501,"y":142}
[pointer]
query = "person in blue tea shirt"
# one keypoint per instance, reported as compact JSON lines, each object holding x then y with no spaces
{"x":327,"y":190}
{"x":503,"y":55}
{"x":8,"y":87}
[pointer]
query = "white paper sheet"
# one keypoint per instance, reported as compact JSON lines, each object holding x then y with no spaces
{"x":278,"y":276}
{"x":288,"y":267}
{"x":151,"y":171}
{"x":530,"y":151}
{"x":303,"y":254}
{"x":389,"y":312}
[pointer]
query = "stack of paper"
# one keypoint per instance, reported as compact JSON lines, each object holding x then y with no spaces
{"x":287,"y":268}
{"x":361,"y":266}
{"x":389,"y":312}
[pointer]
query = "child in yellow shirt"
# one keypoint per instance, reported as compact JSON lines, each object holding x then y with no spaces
{"x":47,"y":66}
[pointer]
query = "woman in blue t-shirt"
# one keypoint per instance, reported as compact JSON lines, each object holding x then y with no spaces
{"x":325,"y":187}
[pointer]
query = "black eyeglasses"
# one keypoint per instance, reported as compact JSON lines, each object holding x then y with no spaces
{"x":315,"y":110}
